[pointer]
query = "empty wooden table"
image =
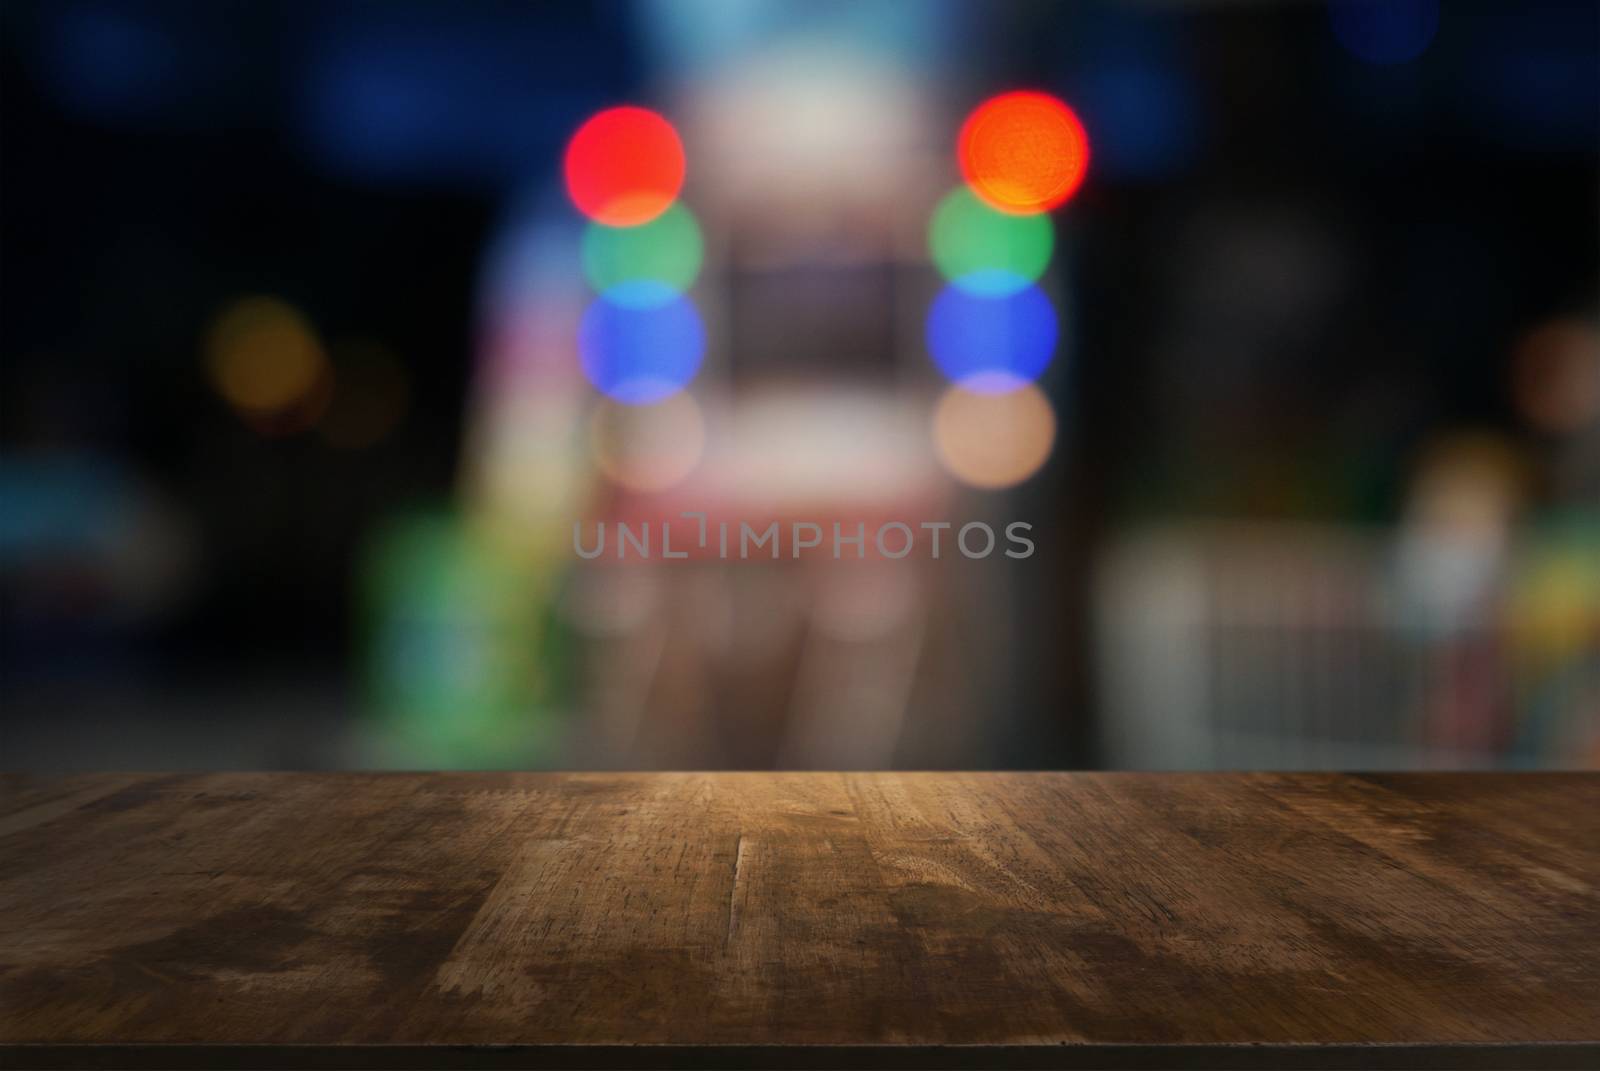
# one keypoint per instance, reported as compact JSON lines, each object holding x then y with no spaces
{"x":800,"y":920}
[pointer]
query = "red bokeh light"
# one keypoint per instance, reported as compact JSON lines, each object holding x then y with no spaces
{"x":1023,"y":152}
{"x":624,"y":166}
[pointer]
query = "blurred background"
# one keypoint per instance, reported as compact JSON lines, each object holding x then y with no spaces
{"x":303,"y":386}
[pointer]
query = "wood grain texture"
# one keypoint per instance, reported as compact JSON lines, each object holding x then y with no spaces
{"x":786,"y":920}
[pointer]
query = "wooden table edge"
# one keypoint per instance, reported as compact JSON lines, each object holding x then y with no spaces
{"x":1537,"y":1056}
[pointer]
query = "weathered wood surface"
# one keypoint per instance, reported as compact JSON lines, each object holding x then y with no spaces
{"x":972,"y":920}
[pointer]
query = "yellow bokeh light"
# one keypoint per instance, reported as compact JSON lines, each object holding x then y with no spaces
{"x":263,"y":356}
{"x":648,"y":447}
{"x":993,"y":440}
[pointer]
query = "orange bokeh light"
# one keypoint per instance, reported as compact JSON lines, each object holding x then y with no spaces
{"x":993,"y":440}
{"x":1023,"y":152}
{"x":624,"y":166}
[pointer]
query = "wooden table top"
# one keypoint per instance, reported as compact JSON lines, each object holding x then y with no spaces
{"x":800,"y":920}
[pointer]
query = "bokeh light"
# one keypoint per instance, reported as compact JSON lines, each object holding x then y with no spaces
{"x":647,"y":265}
{"x":624,"y":166}
{"x":264,"y":358}
{"x":1023,"y":152}
{"x":1145,"y":119}
{"x":370,"y":398}
{"x":1385,"y":31}
{"x":648,"y":447}
{"x":1555,"y":376}
{"x":641,"y":355}
{"x":985,"y":251}
{"x":992,"y":441}
{"x":463,"y":665}
{"x":1554,"y":601}
{"x":1466,"y":489}
{"x":992,"y":344}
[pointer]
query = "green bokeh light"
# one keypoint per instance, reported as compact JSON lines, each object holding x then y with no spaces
{"x":984,"y":251}
{"x":647,"y":265}
{"x":466,"y":654}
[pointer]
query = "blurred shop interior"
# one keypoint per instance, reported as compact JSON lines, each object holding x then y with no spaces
{"x":321,"y":330}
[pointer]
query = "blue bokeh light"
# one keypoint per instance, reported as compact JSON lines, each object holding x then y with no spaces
{"x":992,"y":343}
{"x":1385,"y":31}
{"x":453,"y":95}
{"x":641,"y":355}
{"x":1144,"y":118}
{"x":111,"y":63}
